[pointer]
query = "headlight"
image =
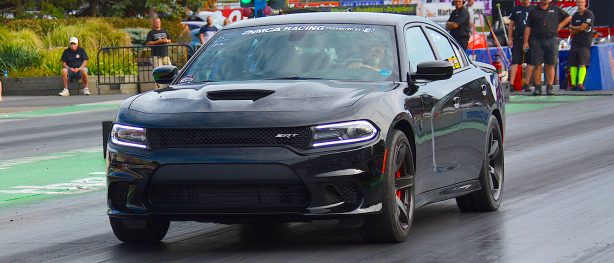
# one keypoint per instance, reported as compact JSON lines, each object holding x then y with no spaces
{"x":129,"y":136}
{"x":343,"y":133}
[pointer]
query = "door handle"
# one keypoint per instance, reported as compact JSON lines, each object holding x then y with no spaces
{"x":484,"y":88}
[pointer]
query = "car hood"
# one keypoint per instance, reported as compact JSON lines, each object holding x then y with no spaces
{"x":252,"y":96}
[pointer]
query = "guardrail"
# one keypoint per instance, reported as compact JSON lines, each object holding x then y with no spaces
{"x":134,"y":64}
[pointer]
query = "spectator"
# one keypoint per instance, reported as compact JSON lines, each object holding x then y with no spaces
{"x":458,"y":24}
{"x":158,"y":38}
{"x":207,"y":31}
{"x":74,"y":60}
{"x":543,"y":24}
{"x":471,"y":10}
{"x":580,"y":52}
{"x":518,"y":20}
{"x":226,"y":22}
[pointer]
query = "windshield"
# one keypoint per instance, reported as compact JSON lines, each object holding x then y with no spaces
{"x":298,"y":51}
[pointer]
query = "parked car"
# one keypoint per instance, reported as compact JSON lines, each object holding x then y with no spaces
{"x":360,"y":116}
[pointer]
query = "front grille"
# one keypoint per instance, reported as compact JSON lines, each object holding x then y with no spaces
{"x":118,"y":193}
{"x":178,"y":138}
{"x":290,"y":197}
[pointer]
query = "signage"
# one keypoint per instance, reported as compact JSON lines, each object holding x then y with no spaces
{"x":393,"y":9}
{"x":361,"y":2}
{"x":440,"y":12}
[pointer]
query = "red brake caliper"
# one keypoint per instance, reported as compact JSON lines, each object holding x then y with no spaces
{"x":398,"y":175}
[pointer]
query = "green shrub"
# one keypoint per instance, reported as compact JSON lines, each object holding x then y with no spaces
{"x":138,"y":35}
{"x":16,"y":57}
{"x":33,"y":47}
{"x":24,"y":37}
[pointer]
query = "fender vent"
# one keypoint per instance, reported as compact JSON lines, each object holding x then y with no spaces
{"x":252,"y":95}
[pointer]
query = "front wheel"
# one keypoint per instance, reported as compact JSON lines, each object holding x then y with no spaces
{"x":139,"y":231}
{"x":491,"y":176}
{"x":394,"y":221}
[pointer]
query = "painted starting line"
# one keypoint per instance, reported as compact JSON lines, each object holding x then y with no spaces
{"x":37,"y":178}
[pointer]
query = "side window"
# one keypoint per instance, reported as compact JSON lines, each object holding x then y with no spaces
{"x":417,"y":47}
{"x":444,"y":48}
{"x":460,"y":54}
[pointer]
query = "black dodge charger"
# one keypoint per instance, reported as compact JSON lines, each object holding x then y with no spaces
{"x":353,"y":116}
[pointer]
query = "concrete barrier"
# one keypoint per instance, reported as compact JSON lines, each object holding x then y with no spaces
{"x":50,"y":86}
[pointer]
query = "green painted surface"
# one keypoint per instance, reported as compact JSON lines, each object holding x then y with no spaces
{"x":519,"y":104}
{"x":58,"y":111}
{"x":50,"y":176}
{"x":547,"y":99}
{"x":512,"y":108}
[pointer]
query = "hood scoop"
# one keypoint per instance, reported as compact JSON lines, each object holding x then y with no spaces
{"x":245,"y":94}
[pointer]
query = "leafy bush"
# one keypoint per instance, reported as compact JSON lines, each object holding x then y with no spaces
{"x":138,"y":35}
{"x":36,"y":51}
{"x":43,"y":26}
{"x":16,"y":57}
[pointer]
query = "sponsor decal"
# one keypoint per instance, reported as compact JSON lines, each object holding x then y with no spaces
{"x":308,"y":28}
{"x":187,"y":78}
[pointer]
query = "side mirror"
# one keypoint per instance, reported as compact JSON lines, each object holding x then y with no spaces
{"x":165,"y":74}
{"x":433,"y":70}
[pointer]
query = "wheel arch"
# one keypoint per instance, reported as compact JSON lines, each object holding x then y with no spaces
{"x":402,"y":124}
{"x":497,"y":115}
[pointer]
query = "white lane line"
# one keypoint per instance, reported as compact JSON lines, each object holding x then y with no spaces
{"x":73,"y":187}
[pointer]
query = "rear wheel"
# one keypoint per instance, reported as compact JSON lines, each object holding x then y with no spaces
{"x":394,"y":222}
{"x":139,"y":231}
{"x":491,"y":176}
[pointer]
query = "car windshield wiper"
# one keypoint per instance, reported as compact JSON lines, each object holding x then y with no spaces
{"x":292,"y":78}
{"x":196,"y":82}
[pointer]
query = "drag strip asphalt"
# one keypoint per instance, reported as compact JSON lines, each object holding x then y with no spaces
{"x":558,"y":206}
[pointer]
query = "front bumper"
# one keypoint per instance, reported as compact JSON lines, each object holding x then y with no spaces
{"x":243,"y":184}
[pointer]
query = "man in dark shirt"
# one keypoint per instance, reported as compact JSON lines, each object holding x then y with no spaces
{"x":207,"y":31}
{"x":458,"y":24}
{"x":580,"y":53}
{"x":158,"y":38}
{"x":74,"y":62}
{"x":518,"y":20}
{"x":545,"y":20}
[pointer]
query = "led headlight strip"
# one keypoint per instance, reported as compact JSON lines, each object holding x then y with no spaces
{"x":128,"y":136}
{"x":343,"y":133}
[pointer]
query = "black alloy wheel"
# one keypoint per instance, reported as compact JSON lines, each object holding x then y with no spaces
{"x":491,"y":176}
{"x":394,"y":222}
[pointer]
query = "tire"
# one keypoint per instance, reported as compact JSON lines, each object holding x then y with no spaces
{"x":488,"y":198}
{"x":139,"y":231}
{"x":394,"y":222}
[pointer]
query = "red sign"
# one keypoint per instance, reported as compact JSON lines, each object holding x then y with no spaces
{"x":313,"y":4}
{"x":561,"y":3}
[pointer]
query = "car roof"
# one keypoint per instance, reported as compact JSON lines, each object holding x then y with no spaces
{"x":331,"y":17}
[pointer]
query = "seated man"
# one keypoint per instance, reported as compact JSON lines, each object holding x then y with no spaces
{"x":74,"y":60}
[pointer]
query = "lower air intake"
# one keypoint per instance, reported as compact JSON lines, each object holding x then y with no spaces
{"x":286,"y":197}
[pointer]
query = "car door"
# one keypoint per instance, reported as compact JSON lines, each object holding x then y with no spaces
{"x":441,"y":102}
{"x":475,"y":115}
{"x":466,"y":101}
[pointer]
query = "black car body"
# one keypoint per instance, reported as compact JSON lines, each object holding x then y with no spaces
{"x":257,"y":145}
